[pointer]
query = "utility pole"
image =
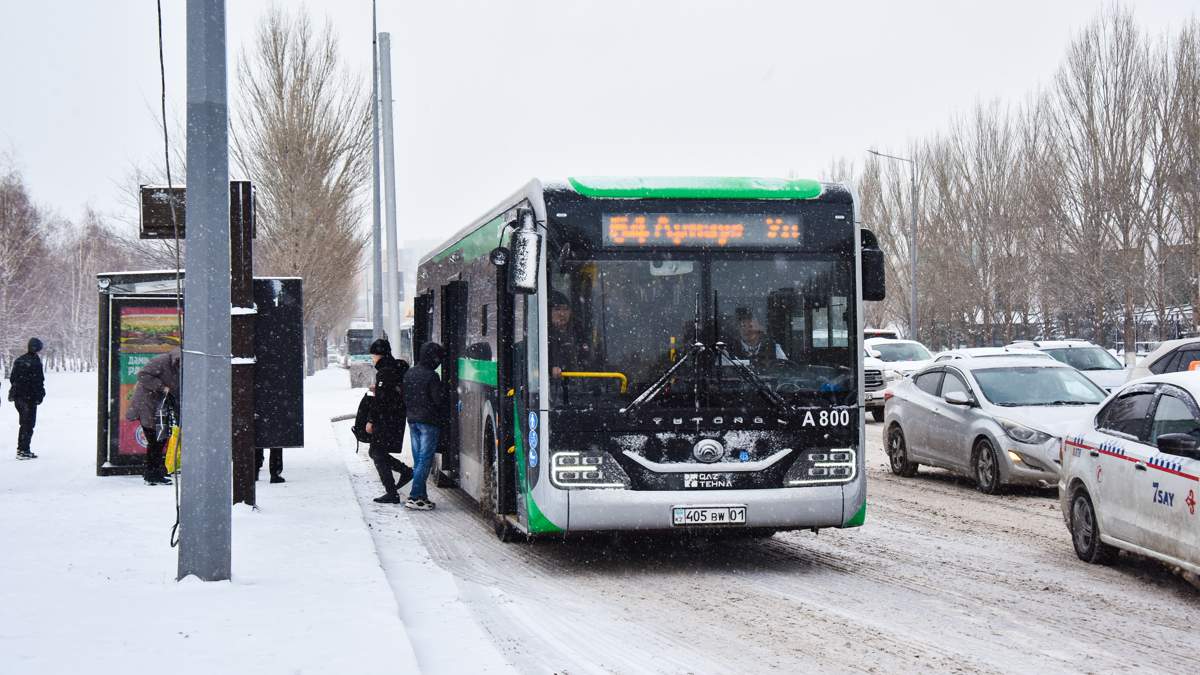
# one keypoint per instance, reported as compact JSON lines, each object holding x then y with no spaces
{"x":205,"y":506}
{"x":389,"y":187}
{"x":377,"y":248}
{"x":912,"y":246}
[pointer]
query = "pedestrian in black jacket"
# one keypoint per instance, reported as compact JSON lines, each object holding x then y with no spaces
{"x":26,"y":391}
{"x":386,"y":420}
{"x":425,"y":400}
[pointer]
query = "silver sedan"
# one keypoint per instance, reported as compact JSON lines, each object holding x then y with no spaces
{"x":996,"y":420}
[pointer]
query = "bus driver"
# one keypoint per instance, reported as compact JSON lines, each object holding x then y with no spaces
{"x":753,"y":343}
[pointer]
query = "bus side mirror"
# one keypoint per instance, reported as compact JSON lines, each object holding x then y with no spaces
{"x":873,"y":276}
{"x":525,"y":247}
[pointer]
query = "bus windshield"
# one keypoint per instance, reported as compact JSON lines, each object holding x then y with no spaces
{"x":617,"y":324}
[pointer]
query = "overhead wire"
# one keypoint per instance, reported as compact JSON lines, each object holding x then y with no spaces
{"x":162,"y":74}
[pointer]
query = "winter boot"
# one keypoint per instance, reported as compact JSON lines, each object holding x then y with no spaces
{"x":388,"y":499}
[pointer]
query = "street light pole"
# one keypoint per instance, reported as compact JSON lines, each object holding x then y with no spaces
{"x":912,"y":245}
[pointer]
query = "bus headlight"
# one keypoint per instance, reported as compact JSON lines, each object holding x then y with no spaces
{"x":595,"y":469}
{"x":823,"y":467}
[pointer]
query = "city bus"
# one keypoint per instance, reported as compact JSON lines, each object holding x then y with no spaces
{"x":655,"y":354}
{"x":359,"y":337}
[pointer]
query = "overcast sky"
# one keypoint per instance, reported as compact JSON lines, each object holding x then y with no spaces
{"x":489,"y":94}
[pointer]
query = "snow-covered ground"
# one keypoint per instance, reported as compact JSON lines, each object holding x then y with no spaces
{"x":941,"y":578}
{"x":87,"y":576}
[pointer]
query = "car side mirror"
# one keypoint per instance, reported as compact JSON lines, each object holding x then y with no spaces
{"x":958,"y":398}
{"x":1181,"y":445}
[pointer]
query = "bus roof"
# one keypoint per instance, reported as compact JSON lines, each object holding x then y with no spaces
{"x":695,"y":187}
{"x":645,"y":187}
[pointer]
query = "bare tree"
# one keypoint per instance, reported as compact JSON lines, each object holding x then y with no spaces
{"x":22,"y":257}
{"x":302,"y":134}
{"x":1104,"y":128}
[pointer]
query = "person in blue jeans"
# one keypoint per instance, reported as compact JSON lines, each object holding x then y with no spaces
{"x":425,"y":402}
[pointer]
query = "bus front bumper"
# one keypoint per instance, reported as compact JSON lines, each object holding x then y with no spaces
{"x":781,"y":508}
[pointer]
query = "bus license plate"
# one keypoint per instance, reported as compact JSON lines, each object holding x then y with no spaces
{"x":683,"y":516}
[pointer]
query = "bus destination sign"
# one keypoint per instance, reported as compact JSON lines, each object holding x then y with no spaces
{"x":700,"y":229}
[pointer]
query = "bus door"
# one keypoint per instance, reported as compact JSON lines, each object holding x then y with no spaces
{"x":422,"y":322}
{"x":512,"y":389}
{"x":453,"y":333}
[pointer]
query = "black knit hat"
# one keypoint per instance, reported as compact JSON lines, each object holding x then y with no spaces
{"x":35,"y":345}
{"x":380,"y":347}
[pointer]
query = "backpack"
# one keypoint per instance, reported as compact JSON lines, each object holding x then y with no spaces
{"x":360,"y":421}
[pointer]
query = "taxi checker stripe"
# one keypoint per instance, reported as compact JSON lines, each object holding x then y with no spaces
{"x":1106,"y":449}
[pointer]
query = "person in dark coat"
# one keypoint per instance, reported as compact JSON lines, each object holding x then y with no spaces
{"x":425,"y":401}
{"x":157,"y":380}
{"x":26,"y":390}
{"x":386,"y":420}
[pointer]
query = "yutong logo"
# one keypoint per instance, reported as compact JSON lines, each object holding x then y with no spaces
{"x":708,"y":451}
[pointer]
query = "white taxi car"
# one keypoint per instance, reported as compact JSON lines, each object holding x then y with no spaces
{"x":1130,"y":475}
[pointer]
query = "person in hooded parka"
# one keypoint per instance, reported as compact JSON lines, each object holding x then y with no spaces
{"x":27,"y":390}
{"x":386,"y":421}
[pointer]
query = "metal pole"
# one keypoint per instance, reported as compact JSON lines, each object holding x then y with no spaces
{"x":912,"y":258}
{"x":205,"y":505}
{"x":377,"y":248}
{"x":392,"y":301}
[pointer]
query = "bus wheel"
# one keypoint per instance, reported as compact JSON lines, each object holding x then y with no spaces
{"x":488,"y":492}
{"x":987,"y":467}
{"x":897,"y":452}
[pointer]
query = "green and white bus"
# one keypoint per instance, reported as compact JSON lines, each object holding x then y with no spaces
{"x":655,"y":354}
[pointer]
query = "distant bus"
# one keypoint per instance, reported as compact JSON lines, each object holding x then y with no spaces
{"x":607,"y":365}
{"x":359,"y":336}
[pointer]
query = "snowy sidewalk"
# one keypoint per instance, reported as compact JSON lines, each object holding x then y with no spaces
{"x":87,"y":578}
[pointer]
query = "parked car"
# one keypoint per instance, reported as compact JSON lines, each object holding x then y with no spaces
{"x":880,"y":333}
{"x":1092,"y":360}
{"x":1172,"y":356}
{"x":900,"y":358}
{"x":987,"y":353}
{"x":1131,"y":474}
{"x":996,"y":420}
{"x":873,"y":386}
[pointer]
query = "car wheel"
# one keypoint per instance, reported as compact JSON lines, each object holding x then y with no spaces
{"x":987,"y":467}
{"x":877,"y":414}
{"x":1085,"y":531}
{"x":897,"y":452}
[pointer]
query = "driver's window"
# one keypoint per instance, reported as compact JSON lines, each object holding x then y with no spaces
{"x":1173,"y":416}
{"x":953,"y":384}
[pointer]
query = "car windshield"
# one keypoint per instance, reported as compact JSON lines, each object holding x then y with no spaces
{"x":783,"y":323}
{"x":1086,"y":358}
{"x":901,"y":351}
{"x":1036,"y":385}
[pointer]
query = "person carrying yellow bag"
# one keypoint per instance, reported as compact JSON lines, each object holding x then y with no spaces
{"x":154,"y":408}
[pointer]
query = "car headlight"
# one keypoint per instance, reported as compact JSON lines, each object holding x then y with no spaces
{"x":892,"y":376}
{"x":1023,"y":434}
{"x":586,"y":470}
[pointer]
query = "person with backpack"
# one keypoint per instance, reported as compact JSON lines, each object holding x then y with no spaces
{"x":153,"y":406}
{"x":425,"y":400}
{"x":26,"y":390}
{"x":386,"y":420}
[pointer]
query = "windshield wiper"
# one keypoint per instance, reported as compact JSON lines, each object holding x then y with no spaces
{"x":659,"y":384}
{"x":1067,"y":403}
{"x":744,"y":371}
